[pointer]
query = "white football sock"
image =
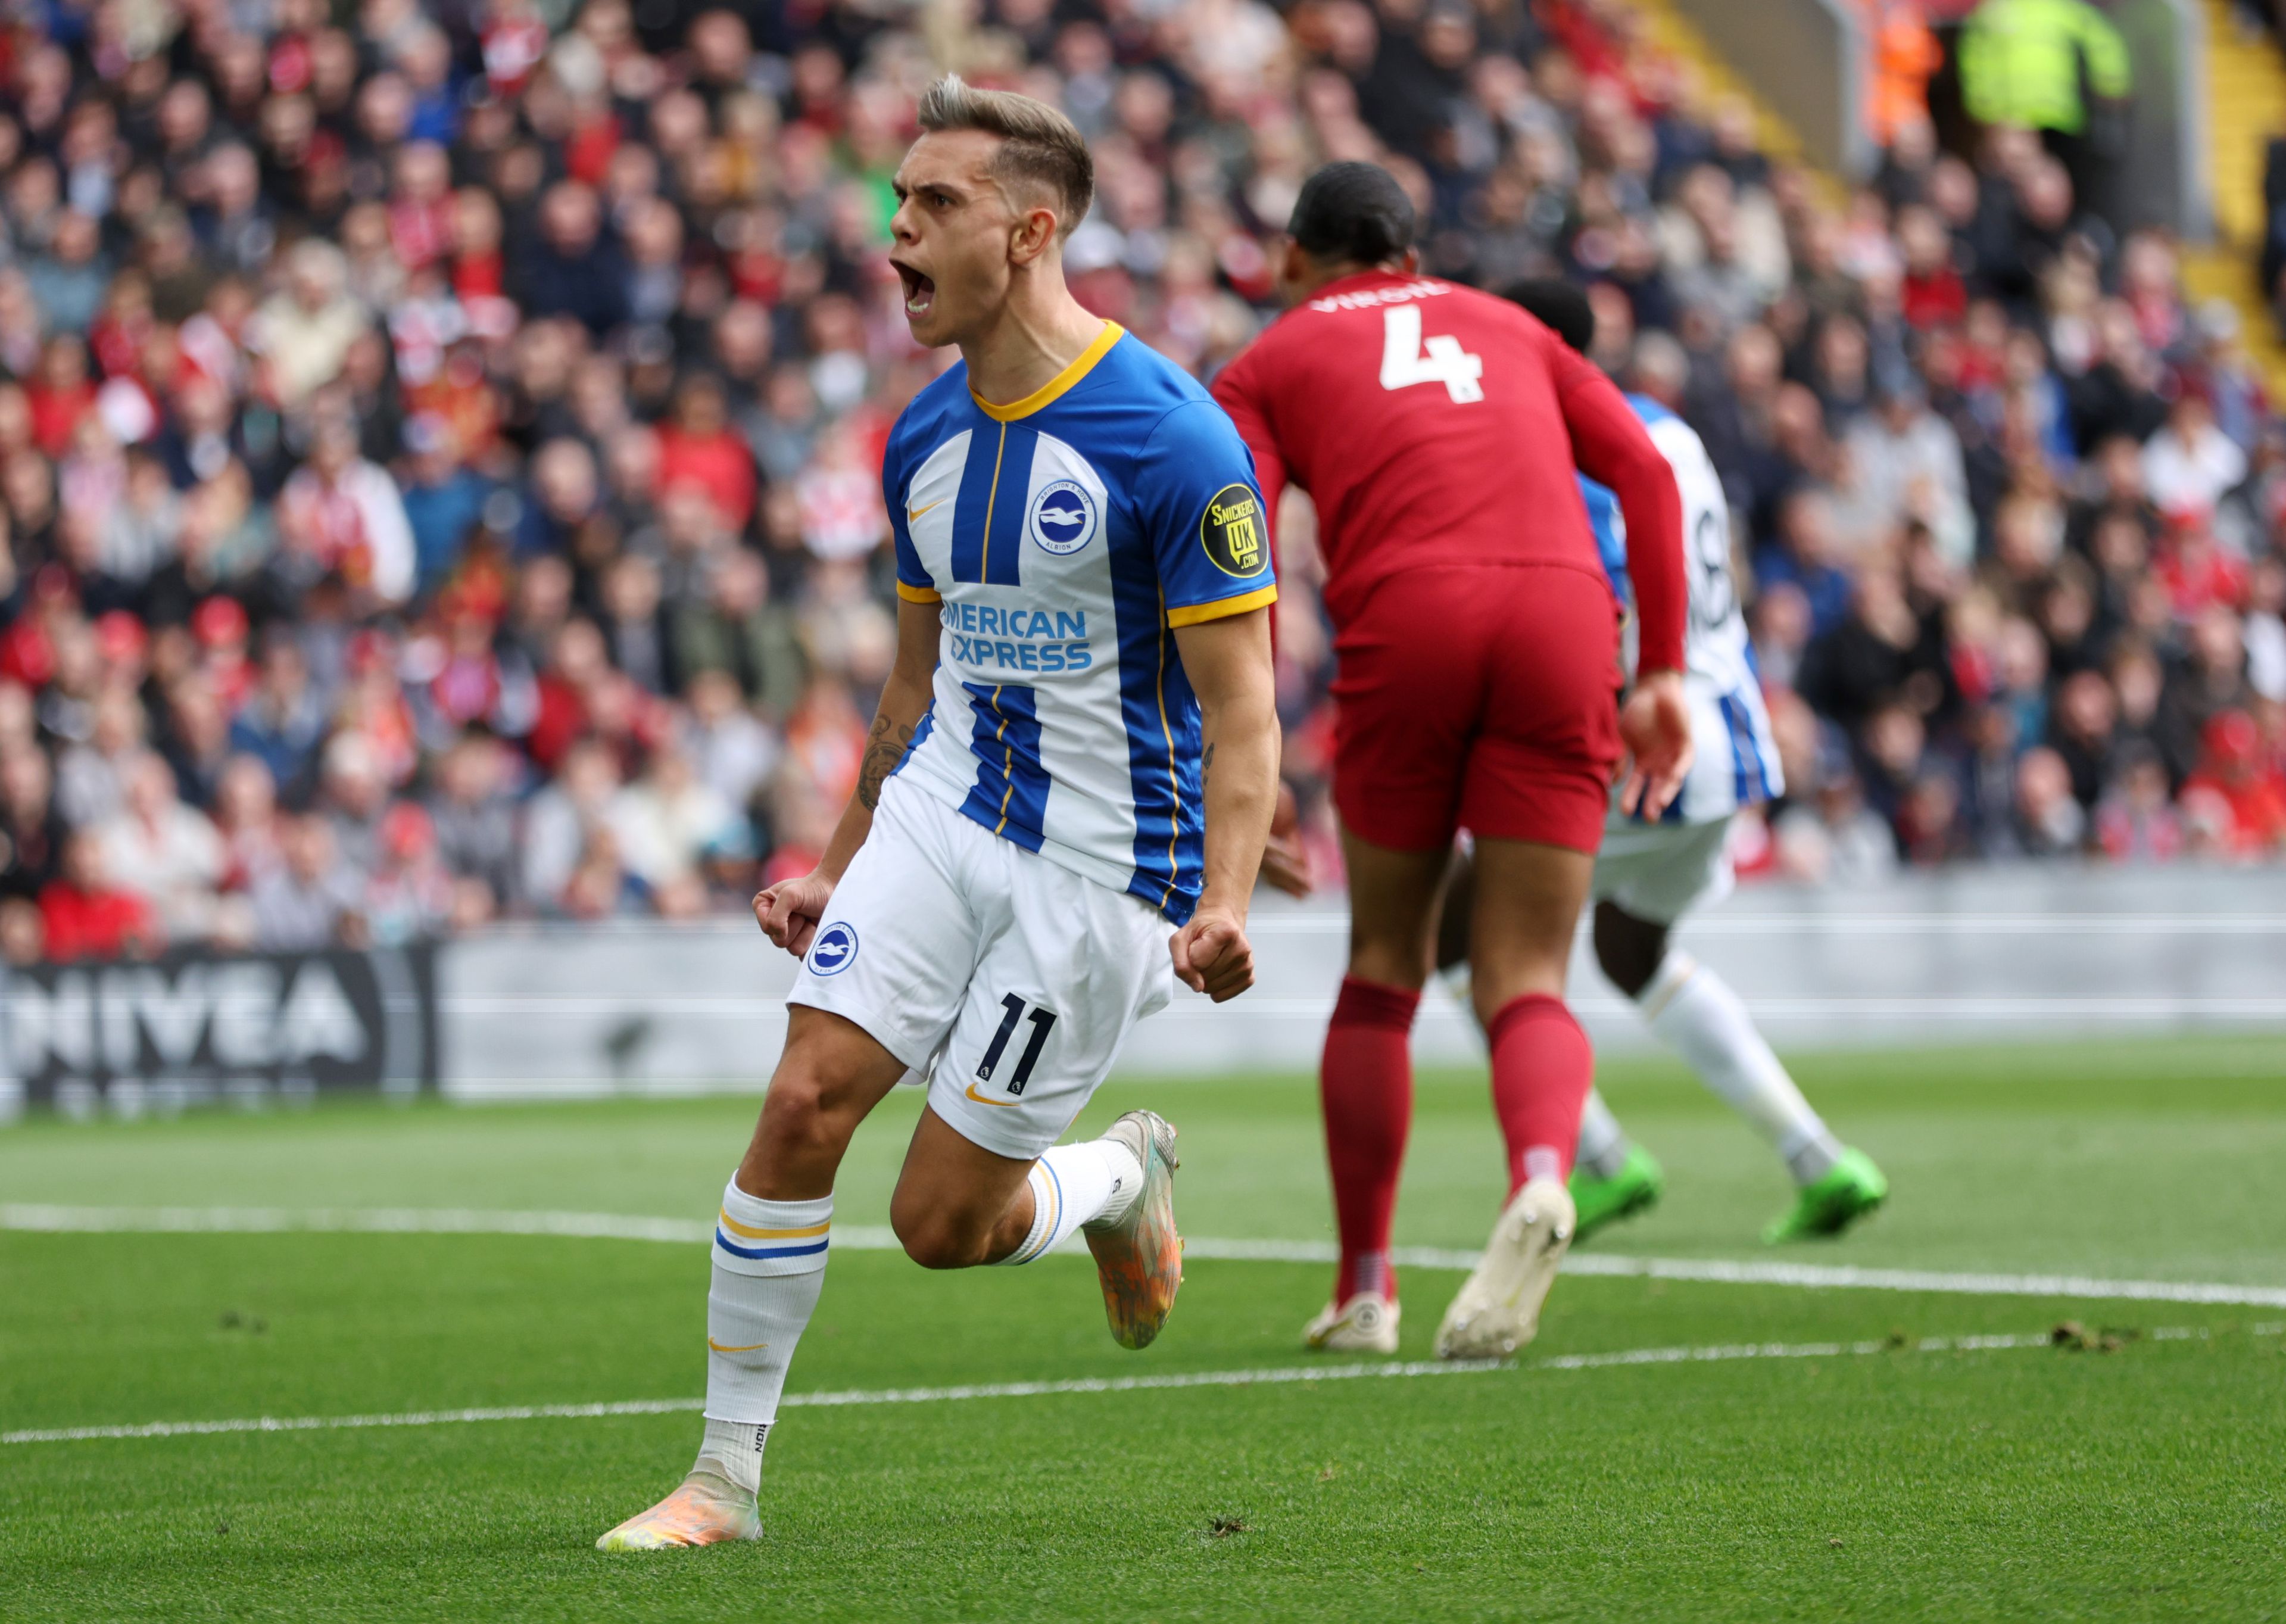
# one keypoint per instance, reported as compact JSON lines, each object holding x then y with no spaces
{"x":1602,"y":1143}
{"x":1697,"y":1015}
{"x":1095,"y":1179}
{"x":733,"y":1449}
{"x":770,"y":1265}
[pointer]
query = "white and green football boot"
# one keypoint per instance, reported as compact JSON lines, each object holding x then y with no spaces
{"x":1852,"y":1187}
{"x":1634,"y":1189}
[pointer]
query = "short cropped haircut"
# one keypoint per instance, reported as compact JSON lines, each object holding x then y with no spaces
{"x":1352,"y":214}
{"x":1564,"y":307}
{"x":1039,"y":145}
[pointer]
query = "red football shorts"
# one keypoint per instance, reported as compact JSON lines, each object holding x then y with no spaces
{"x":1483,"y":700}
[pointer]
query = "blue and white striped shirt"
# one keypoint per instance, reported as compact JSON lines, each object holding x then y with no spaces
{"x":1065,"y":537}
{"x":1737,"y":760}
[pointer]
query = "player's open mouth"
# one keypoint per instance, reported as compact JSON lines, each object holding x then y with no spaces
{"x":919,"y":290}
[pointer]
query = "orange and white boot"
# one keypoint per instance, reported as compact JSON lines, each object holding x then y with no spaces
{"x":707,"y":1510}
{"x":1138,"y":1255}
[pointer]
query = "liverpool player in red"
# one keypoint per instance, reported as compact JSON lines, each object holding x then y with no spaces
{"x":1438,"y":430}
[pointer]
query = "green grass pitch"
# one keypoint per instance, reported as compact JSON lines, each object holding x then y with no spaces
{"x":2006,"y":1482}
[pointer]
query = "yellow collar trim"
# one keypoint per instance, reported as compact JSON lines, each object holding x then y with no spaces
{"x":1055,"y":388}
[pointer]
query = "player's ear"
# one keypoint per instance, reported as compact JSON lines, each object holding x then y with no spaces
{"x":1034,"y":233}
{"x":1293,"y":272}
{"x":1410,"y":264}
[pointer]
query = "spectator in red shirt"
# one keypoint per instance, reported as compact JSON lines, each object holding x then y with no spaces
{"x":1932,"y":293}
{"x":699,"y":447}
{"x":59,"y":394}
{"x":85,"y":916}
{"x":479,"y":267}
{"x":2232,"y":769}
{"x":2195,"y":571}
{"x":577,"y":665}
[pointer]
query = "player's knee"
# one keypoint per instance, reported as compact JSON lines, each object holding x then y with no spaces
{"x":1402,"y":965}
{"x":1491,"y":991}
{"x":801,"y":1121}
{"x":1629,"y":950}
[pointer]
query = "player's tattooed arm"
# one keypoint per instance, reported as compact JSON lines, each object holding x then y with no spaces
{"x":884,"y":747}
{"x":791,"y":911}
{"x":904,"y":701}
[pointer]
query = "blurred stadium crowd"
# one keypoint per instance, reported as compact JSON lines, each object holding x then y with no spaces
{"x":439,"y":444}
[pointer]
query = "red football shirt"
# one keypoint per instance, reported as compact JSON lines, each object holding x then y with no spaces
{"x":1435,"y":427}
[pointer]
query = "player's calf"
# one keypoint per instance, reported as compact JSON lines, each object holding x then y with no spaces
{"x":1629,"y":951}
{"x":958,"y":1204}
{"x":1119,"y":1191}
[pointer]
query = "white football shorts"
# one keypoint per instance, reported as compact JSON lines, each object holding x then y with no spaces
{"x":1661,"y":871}
{"x":1005,"y":981}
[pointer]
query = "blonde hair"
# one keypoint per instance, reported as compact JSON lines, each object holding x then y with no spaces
{"x":1039,"y":145}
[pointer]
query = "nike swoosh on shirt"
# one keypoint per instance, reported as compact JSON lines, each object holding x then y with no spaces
{"x":913,"y":513}
{"x":752,"y":1347}
{"x":980,"y":1099}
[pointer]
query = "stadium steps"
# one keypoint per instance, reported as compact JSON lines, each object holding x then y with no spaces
{"x":1677,"y":36}
{"x":2246,"y":88}
{"x":2246,"y":106}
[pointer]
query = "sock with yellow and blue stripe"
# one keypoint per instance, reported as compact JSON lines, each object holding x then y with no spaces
{"x":1093,"y":1180}
{"x":770,"y":1265}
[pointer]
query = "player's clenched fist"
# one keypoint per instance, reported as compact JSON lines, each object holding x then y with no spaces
{"x":1212,"y":955}
{"x":789,"y":911}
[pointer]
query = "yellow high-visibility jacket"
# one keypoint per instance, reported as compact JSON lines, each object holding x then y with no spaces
{"x":2020,"y":63}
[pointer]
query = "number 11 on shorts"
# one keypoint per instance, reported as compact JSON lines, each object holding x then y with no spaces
{"x":1043,"y":1020}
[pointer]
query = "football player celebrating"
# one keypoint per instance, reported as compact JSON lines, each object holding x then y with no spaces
{"x":1437,"y":429}
{"x":1077,"y":750}
{"x":1651,"y":874}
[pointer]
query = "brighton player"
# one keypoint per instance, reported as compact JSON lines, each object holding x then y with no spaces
{"x":1437,"y":429}
{"x":1077,"y":750}
{"x":1650,"y":873}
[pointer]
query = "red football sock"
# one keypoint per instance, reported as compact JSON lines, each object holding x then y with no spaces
{"x":1542,"y":1068}
{"x":1366,"y":1085}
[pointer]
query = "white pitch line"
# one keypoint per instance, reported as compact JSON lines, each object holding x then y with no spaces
{"x":331,"y":1424}
{"x":1279,"y":1376}
{"x":616,"y":1226}
{"x":1334,"y":923}
{"x":349,"y":1220}
{"x":1828,"y":1277}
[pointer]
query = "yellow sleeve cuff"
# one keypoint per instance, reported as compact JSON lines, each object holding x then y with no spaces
{"x":1190,"y":614}
{"x":918,"y":594}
